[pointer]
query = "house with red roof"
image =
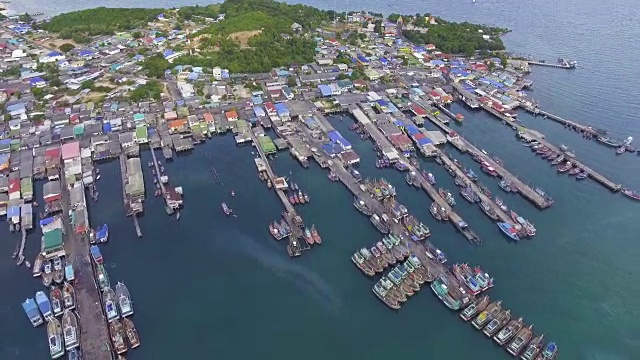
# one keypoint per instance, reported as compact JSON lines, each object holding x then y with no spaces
{"x":231,"y":115}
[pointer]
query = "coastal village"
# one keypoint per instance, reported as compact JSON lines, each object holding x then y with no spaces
{"x":68,"y":106}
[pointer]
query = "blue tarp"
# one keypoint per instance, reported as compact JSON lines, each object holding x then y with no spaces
{"x":424,"y":141}
{"x":384,"y":61}
{"x":331,"y":149}
{"x":362,"y":59}
{"x":382,"y":103}
{"x":411,"y":129}
{"x":337,"y":139}
{"x":437,"y":62}
{"x":106,"y":127}
{"x":47,"y":221}
{"x":281,"y":109}
{"x":13,"y":211}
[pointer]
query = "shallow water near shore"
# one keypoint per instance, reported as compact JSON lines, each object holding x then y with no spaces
{"x":209,"y":285}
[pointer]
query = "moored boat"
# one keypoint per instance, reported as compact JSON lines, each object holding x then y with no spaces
{"x":557,"y":160}
{"x":314,"y":234}
{"x":371,"y":260}
{"x":103,"y":278}
{"x":102,"y":234}
{"x":58,"y":270}
{"x":131,"y":333}
{"x":123,"y":299}
{"x":70,"y":330}
{"x":31,"y":310}
{"x":96,"y":255}
{"x":68,"y":296}
{"x":56,"y":301}
{"x":575,"y":171}
{"x":110,"y":307}
{"x":509,"y":230}
{"x":583,"y":175}
{"x":386,"y":254}
{"x":549,"y":353}
{"x":466,"y":194}
{"x":307,"y":236}
{"x":501,"y":204}
{"x":377,"y":222}
{"x":631,"y":194}
{"x":360,"y":262}
{"x":382,"y":294}
{"x":362,"y":206}
{"x":487,"y":315}
{"x":477,"y":306}
{"x":505,"y":185}
{"x":435,"y":211}
{"x":527,"y":226}
{"x":441,"y":290}
{"x":275,"y":232}
{"x":497,"y":323}
{"x":508,"y":332}
{"x":301,"y":197}
{"x":54,"y":334}
{"x":117,"y":337}
{"x":44,"y":304}
{"x":444,"y":214}
{"x":533,"y":348}
{"x":566,"y":167}
{"x":520,"y":340}
{"x":431,"y":179}
{"x":487,"y":209}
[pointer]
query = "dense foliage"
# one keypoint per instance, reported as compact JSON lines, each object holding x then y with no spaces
{"x":151,"y":90}
{"x":265,"y":50}
{"x":458,"y":38}
{"x":208,"y":11}
{"x":78,"y":25}
{"x":155,"y":66}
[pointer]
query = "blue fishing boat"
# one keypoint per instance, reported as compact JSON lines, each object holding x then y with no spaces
{"x":470,"y":174}
{"x":509,"y":230}
{"x":44,"y":304}
{"x":110,"y":307}
{"x":549,"y":352}
{"x":31,"y":309}
{"x":102,"y":235}
{"x":69,"y":274}
{"x":96,"y":254}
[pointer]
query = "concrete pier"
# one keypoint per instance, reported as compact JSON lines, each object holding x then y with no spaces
{"x":534,"y":135}
{"x":565,"y":65}
{"x":94,"y":336}
{"x":524,"y":190}
{"x":584,"y":129}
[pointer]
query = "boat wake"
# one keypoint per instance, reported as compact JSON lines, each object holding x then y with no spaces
{"x":287,"y":270}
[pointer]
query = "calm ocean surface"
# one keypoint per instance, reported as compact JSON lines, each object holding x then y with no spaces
{"x":211,"y":286}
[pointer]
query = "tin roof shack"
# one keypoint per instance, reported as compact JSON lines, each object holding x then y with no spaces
{"x":26,"y":216}
{"x":52,"y":244}
{"x":4,"y":201}
{"x":134,"y":186}
{"x":26,"y":185}
{"x":79,"y":216}
{"x":4,"y":184}
{"x":13,"y":211}
{"x":266,"y":144}
{"x":52,"y":197}
{"x":72,"y":164}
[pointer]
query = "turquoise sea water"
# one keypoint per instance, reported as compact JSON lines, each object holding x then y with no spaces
{"x":216,"y":286}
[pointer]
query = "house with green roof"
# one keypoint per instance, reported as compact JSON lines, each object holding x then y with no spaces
{"x":141,"y":136}
{"x":52,"y":243}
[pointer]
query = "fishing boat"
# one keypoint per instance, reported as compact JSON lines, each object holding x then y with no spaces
{"x":58,"y":270}
{"x":439,"y":160}
{"x":54,"y":333}
{"x":56,"y":301}
{"x":110,"y":307}
{"x":520,"y":340}
{"x":44,"y":304}
{"x":300,"y":197}
{"x":227,"y":210}
{"x":400,"y":166}
{"x":631,"y":194}
{"x":534,"y":348}
{"x":441,"y":290}
{"x":557,"y":160}
{"x":488,"y":169}
{"x":575,"y":171}
{"x":68,"y":296}
{"x":487,"y":209}
{"x":430,"y":178}
{"x":102,"y":234}
{"x":124,"y":300}
{"x":360,"y":262}
{"x":446,"y":195}
{"x":469,"y":280}
{"x":459,"y":181}
{"x":552,"y":156}
{"x":377,"y":222}
{"x":621,"y":150}
{"x":508,"y":332}
{"x":314,"y":234}
{"x":509,"y":230}
{"x":435,"y":254}
{"x":497,"y":323}
{"x":117,"y":337}
{"x":527,"y":226}
{"x":293,"y":199}
{"x":505,"y":185}
{"x":549,"y":353}
{"x":501,"y":204}
{"x":70,"y":330}
{"x":362,"y":206}
{"x":294,"y":186}
{"x":466,"y":194}
{"x":275,"y":232}
{"x":306,"y":197}
{"x":372,"y":261}
{"x":487,"y":315}
{"x":393,"y":249}
{"x":333,"y":176}
{"x":74,"y":354}
{"x":484,"y":280}
{"x":30,"y":308}
{"x":566,"y":167}
{"x":96,"y":255}
{"x":378,"y":256}
{"x":583,"y":175}
{"x":444,"y":214}
{"x":474,"y":308}
{"x":103,"y":278}
{"x":131,"y":333}
{"x":381,"y":293}
{"x":435,"y":211}
{"x":307,"y":236}
{"x":470,"y":174}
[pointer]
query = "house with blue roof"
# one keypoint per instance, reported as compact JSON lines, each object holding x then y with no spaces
{"x":37,"y":82}
{"x":86,"y":54}
{"x":159,"y":40}
{"x":138,"y":57}
{"x":282,"y":110}
{"x":51,"y":57}
{"x":115,"y":67}
{"x":325,"y":90}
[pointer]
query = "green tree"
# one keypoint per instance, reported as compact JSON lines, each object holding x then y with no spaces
{"x":88,"y":84}
{"x":66,"y":47}
{"x":155,"y":66}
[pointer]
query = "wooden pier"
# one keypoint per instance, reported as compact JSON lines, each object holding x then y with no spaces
{"x":534,"y":135}
{"x":539,"y":201}
{"x":127,"y":203}
{"x":564,"y":65}
{"x":583,"y":129}
{"x":94,"y":336}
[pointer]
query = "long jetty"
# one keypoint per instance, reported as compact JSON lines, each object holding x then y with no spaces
{"x":94,"y":336}
{"x":563,"y":65}
{"x":465,"y":146}
{"x":535,"y":135}
{"x":581,"y":128}
{"x":125,"y":199}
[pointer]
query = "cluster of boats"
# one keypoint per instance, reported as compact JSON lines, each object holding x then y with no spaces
{"x":429,"y":177}
{"x":311,"y":236}
{"x":53,"y":271}
{"x":447,"y":196}
{"x":384,"y":253}
{"x":474,"y":279}
{"x":279,"y":230}
{"x":380,"y":189}
{"x":99,"y":235}
{"x":439,"y":212}
{"x":122,"y":333}
{"x":417,"y":229}
{"x":556,"y":158}
{"x":522,"y":227}
{"x":413,"y":179}
{"x":296,"y":196}
{"x":379,"y":223}
{"x":361,"y":205}
{"x":404,"y":280}
{"x":510,"y":332}
{"x":117,"y":306}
